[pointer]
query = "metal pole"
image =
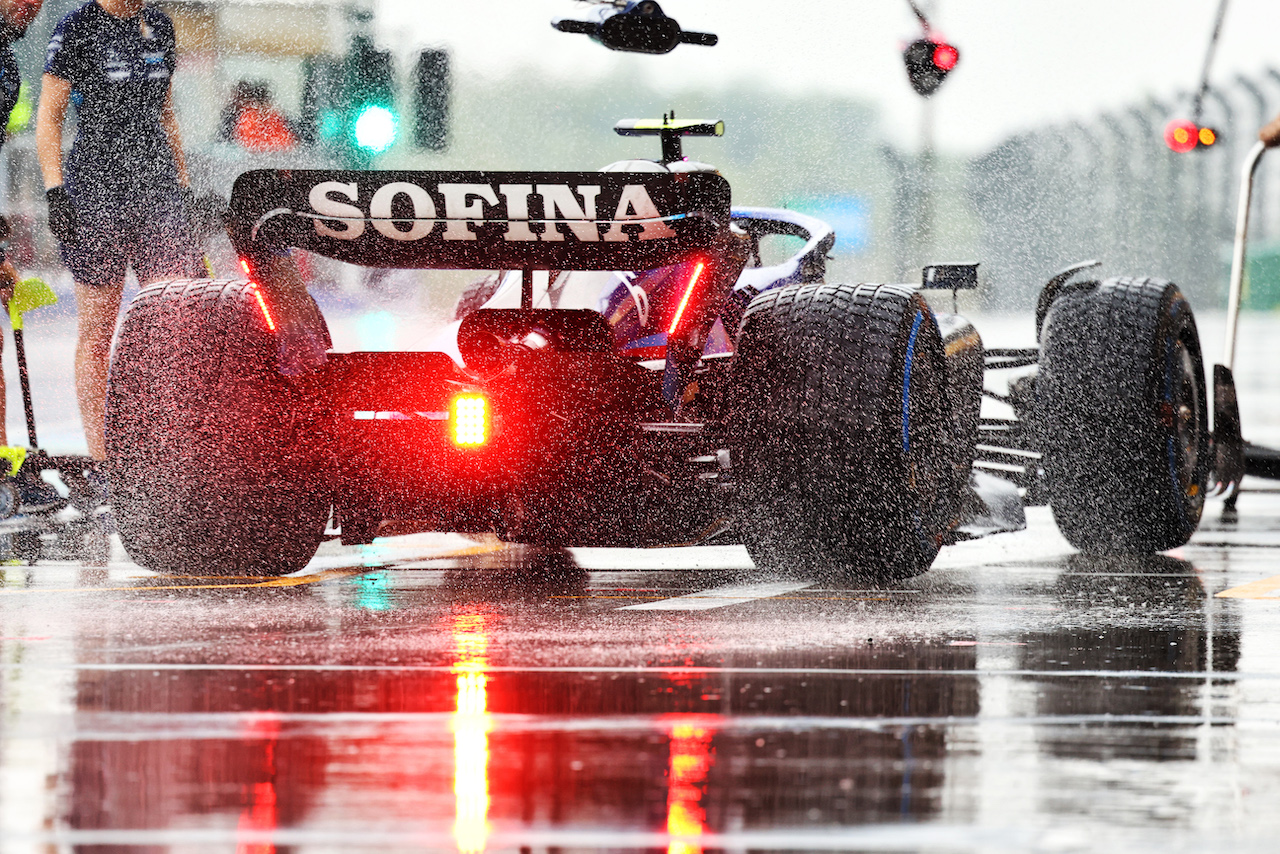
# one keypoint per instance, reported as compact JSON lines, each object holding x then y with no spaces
{"x":1259,"y":100}
{"x":1208,"y":61}
{"x":1251,"y":162}
{"x":924,"y":22}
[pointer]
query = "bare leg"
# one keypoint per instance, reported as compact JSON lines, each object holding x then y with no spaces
{"x":96,"y":308}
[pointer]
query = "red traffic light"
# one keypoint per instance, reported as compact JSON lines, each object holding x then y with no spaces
{"x":928,"y":62}
{"x":945,"y":56}
{"x":1182,"y":136}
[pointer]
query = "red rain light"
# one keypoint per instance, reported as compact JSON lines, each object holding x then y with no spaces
{"x":470,"y":417}
{"x":684,"y":300}
{"x":1181,"y":135}
{"x":945,"y":57}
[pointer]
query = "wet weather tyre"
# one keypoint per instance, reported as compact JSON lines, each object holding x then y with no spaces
{"x":214,"y":461}
{"x":838,"y":418}
{"x":1124,"y":420}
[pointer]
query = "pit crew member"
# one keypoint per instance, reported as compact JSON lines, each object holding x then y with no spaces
{"x":122,"y":199}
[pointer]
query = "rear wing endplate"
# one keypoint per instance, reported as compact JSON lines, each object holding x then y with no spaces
{"x":481,"y":220}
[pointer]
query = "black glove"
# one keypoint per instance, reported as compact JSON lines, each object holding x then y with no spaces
{"x":206,"y":214}
{"x":62,"y":215}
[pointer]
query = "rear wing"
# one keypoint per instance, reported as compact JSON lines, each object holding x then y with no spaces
{"x":481,"y":220}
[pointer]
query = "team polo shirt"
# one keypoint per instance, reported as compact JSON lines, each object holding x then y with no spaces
{"x":119,"y":70}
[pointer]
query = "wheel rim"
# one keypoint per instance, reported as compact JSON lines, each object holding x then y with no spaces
{"x":1186,"y":415}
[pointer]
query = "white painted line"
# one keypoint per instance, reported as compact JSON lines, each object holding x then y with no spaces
{"x":719,"y":597}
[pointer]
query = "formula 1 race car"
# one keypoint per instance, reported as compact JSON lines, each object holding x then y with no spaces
{"x":638,"y":378}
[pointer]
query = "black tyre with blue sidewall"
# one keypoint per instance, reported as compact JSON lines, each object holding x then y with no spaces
{"x":217,"y":466}
{"x":1123,"y":417}
{"x":839,"y":422}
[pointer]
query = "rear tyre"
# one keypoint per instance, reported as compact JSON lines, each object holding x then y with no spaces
{"x":1124,"y":418}
{"x":839,"y":423}
{"x":216,"y":468}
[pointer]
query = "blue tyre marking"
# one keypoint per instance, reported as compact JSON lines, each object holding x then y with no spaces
{"x":906,"y":382}
{"x":917,"y":518}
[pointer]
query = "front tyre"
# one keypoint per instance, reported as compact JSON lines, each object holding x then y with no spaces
{"x":1123,"y":417}
{"x":216,"y":468}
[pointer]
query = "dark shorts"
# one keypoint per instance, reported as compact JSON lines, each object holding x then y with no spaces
{"x":142,"y":227}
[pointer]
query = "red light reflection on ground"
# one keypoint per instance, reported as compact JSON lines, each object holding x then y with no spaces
{"x":471,"y":726}
{"x":691,"y":760}
{"x":261,"y":816}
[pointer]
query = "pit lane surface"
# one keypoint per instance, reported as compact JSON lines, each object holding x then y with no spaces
{"x":442,"y":693}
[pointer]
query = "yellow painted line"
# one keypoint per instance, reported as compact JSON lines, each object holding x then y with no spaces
{"x":1262,"y":589}
{"x":606,"y":597}
{"x":250,"y":581}
{"x":380,"y":543}
{"x":470,"y":551}
{"x":290,"y":581}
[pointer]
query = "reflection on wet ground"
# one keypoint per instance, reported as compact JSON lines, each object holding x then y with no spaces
{"x":447,"y":694}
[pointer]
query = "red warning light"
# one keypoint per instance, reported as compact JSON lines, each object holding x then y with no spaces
{"x":928,"y":61}
{"x":1182,"y":136}
{"x":1207,"y":136}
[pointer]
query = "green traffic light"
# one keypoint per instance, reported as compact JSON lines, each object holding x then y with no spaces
{"x":375,"y":128}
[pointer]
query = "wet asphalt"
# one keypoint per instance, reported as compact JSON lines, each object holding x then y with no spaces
{"x":439,"y":693}
{"x":449,"y":694}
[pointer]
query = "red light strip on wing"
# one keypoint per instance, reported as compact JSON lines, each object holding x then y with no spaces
{"x":262,"y":304}
{"x":684,"y":300}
